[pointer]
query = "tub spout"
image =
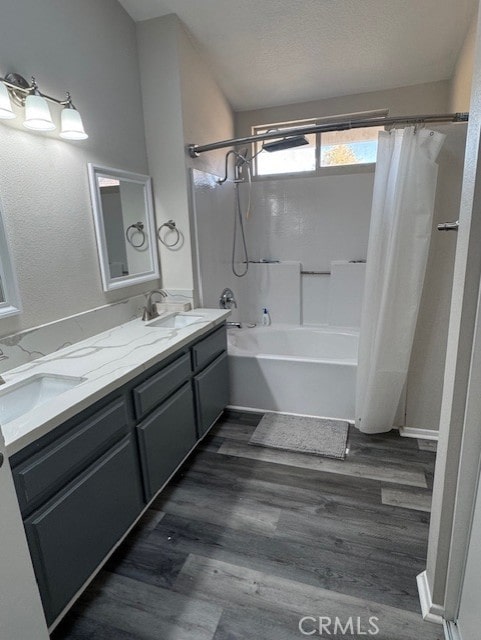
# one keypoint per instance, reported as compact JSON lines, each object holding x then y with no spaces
{"x":237,"y":325}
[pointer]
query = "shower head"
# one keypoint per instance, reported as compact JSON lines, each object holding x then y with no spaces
{"x":288,"y":142}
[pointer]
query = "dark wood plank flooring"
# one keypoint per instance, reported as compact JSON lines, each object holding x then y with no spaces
{"x":245,"y":541}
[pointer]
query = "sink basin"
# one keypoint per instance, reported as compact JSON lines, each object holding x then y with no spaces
{"x":175,"y":321}
{"x":19,"y":398}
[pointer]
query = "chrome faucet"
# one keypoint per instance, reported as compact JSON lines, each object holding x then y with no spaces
{"x":227,"y":300}
{"x":150,"y":310}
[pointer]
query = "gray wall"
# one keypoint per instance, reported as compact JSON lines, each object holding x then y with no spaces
{"x":421,"y":98}
{"x":182,"y":105}
{"x":89,"y":48}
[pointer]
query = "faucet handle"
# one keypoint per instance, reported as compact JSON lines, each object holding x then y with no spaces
{"x":227,"y":300}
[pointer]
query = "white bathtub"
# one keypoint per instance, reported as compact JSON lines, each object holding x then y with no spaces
{"x":301,"y":370}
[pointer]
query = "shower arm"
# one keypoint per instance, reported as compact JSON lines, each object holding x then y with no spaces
{"x":226,"y":173}
{"x":227,"y":156}
{"x":194,"y":150}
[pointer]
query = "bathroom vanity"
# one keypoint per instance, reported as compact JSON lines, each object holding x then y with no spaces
{"x":82,"y":482}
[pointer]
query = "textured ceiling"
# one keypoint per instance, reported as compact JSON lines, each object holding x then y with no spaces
{"x":274,"y":52}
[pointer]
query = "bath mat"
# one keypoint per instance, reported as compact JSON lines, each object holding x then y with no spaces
{"x":320,"y":436}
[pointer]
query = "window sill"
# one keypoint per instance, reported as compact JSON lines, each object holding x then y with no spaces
{"x":349,"y":169}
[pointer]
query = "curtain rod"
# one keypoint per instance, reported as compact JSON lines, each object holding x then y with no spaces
{"x":195,"y":150}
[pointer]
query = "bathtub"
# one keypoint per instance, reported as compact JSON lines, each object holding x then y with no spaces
{"x":300,"y":370}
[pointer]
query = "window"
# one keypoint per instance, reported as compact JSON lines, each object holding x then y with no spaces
{"x":324,"y":150}
{"x":292,"y":160}
{"x":354,"y":146}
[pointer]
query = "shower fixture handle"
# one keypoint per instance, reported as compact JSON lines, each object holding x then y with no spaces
{"x":449,"y":226}
{"x":227,"y":300}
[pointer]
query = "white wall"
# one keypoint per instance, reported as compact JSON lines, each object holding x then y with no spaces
{"x":89,"y":48}
{"x":182,"y":104}
{"x":460,"y":89}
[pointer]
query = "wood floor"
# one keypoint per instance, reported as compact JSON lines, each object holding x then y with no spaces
{"x":246,"y":541}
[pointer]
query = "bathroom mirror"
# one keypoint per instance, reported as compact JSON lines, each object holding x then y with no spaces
{"x":9,"y":296}
{"x":124,"y":225}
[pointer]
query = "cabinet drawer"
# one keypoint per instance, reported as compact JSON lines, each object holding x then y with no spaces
{"x":153,"y":391}
{"x":50,"y":469}
{"x":72,"y":534}
{"x":211,"y":393}
{"x":209,"y":348}
{"x":165,"y":438}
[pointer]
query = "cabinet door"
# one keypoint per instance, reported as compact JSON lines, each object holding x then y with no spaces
{"x":45,"y":473}
{"x":165,"y":438}
{"x":211,"y":393}
{"x":71,"y":535}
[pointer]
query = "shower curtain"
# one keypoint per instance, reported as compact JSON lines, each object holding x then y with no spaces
{"x":400,"y":232}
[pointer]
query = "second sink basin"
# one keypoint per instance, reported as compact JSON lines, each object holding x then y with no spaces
{"x":175,"y":321}
{"x":18,"y":398}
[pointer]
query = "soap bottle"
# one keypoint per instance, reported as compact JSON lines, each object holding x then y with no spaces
{"x":266,"y":319}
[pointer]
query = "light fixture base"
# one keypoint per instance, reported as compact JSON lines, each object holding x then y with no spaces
{"x":19,"y":81}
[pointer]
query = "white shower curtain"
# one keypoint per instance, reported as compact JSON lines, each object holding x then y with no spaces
{"x":400,"y":232}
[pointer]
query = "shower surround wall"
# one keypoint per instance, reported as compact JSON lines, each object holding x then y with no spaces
{"x":314,"y":221}
{"x":308,"y":222}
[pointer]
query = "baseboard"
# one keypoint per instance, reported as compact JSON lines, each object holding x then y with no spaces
{"x":423,"y":434}
{"x":430,"y":612}
{"x":451,"y":631}
{"x":233,"y":407}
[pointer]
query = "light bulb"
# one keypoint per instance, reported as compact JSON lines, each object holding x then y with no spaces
{"x":72,"y":125}
{"x":6,"y":112}
{"x":37,"y":114}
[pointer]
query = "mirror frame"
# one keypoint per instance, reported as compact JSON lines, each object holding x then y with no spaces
{"x":109,"y":283}
{"x":11,"y":306}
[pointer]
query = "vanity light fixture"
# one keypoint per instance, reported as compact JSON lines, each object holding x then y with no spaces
{"x":6,"y":112}
{"x":14,"y":88}
{"x":37,"y":112}
{"x":72,"y":126}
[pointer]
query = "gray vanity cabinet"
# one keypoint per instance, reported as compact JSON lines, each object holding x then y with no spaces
{"x":165,"y":438}
{"x":73,"y":532}
{"x":82,"y":485}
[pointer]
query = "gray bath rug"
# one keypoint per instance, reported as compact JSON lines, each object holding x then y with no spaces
{"x":303,"y":435}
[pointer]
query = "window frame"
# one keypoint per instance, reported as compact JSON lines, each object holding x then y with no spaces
{"x":319,"y":171}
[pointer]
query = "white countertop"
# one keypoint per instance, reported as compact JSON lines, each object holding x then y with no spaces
{"x":106,"y":361}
